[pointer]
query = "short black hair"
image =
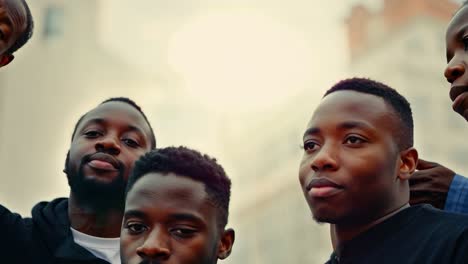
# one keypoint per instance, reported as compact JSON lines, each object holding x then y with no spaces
{"x":127,"y":101}
{"x":191,"y":164}
{"x":399,"y":104}
{"x":461,"y":6}
{"x":26,"y":34}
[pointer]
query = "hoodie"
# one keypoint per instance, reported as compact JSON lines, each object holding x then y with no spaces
{"x":44,"y":238}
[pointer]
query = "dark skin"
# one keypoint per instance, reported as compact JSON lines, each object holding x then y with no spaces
{"x":170,"y":219}
{"x":13,"y":22}
{"x":457,"y":59}
{"x":116,"y":135}
{"x":431,"y":183}
{"x":350,"y":146}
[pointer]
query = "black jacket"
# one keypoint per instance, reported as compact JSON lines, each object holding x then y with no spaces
{"x":44,"y":238}
{"x":418,"y":234}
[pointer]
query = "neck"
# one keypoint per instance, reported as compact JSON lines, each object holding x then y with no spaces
{"x":99,"y":222}
{"x":342,"y":233}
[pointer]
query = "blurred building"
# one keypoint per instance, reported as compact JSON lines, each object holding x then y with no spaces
{"x":272,"y":220}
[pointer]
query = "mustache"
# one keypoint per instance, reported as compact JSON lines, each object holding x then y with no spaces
{"x":150,"y":262}
{"x":89,"y":157}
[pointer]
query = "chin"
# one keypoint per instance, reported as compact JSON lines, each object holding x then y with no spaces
{"x":323,"y":216}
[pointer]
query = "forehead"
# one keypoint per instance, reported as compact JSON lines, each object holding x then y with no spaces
{"x":351,"y":106}
{"x":117,"y":113}
{"x":168,"y":191}
{"x":459,"y":19}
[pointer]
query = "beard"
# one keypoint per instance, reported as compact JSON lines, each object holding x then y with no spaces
{"x":94,"y":193}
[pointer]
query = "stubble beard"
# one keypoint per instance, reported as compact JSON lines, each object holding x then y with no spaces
{"x":93,"y":193}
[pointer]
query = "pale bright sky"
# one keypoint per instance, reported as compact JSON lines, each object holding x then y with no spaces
{"x":224,"y":52}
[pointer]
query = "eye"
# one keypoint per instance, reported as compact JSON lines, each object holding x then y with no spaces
{"x":465,"y":42}
{"x":2,"y":35}
{"x":135,"y":228}
{"x":183,"y":232}
{"x":354,"y":140}
{"x":92,"y":133}
{"x":130,"y":142}
{"x":310,"y":145}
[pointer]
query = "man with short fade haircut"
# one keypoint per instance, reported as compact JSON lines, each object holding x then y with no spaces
{"x":85,"y":227}
{"x":176,"y":210}
{"x":358,"y":158}
{"x":16,"y":27}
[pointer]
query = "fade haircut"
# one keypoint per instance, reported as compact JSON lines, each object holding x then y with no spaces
{"x":400,"y":105}
{"x":26,"y":34}
{"x":191,"y":164}
{"x":465,"y":3}
{"x":127,"y":101}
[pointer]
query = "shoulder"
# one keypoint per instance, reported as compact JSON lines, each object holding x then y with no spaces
{"x":8,"y":218}
{"x":440,"y":220}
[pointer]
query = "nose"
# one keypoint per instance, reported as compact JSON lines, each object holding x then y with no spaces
{"x":454,"y":70}
{"x":155,"y":247}
{"x":108,"y":144}
{"x":325,"y":159}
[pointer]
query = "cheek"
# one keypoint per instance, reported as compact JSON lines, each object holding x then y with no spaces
{"x":74,"y":156}
{"x":369,"y":169}
{"x":131,"y":158}
{"x":80,"y":147}
{"x":128,"y":246}
{"x":304,"y":169}
{"x":197,"y":249}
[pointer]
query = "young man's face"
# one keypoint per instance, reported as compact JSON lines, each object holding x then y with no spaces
{"x":13,"y":22}
{"x":457,"y":59}
{"x":107,"y":142}
{"x":349,"y":168}
{"x":169,"y":219}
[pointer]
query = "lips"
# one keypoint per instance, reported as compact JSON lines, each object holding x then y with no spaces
{"x":455,"y":91}
{"x":459,"y":96}
{"x":323,"y":187}
{"x":103,"y":162}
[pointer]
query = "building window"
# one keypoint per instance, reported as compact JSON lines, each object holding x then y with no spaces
{"x":53,"y":24}
{"x":413,"y":44}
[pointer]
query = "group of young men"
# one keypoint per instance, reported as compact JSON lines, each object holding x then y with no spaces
{"x":131,"y":202}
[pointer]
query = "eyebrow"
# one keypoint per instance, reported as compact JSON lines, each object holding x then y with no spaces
{"x":102,"y":121}
{"x":186,"y":217}
{"x":6,"y":20}
{"x":461,"y":31}
{"x":172,"y":217}
{"x":134,"y":213}
{"x":344,"y":125}
{"x":5,"y":17}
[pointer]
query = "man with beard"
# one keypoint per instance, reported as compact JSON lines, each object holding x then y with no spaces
{"x":176,"y":209}
{"x":358,"y":158}
{"x":16,"y":27}
{"x":84,"y":228}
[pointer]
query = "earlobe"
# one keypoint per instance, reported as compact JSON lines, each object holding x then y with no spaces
{"x":409,"y":161}
{"x":225,"y":243}
{"x":5,"y":59}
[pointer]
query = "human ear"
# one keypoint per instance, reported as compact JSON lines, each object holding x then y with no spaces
{"x":408,"y":163}
{"x":225,"y":243}
{"x":5,"y":59}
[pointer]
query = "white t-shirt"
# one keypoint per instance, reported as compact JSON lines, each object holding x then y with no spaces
{"x":107,"y":249}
